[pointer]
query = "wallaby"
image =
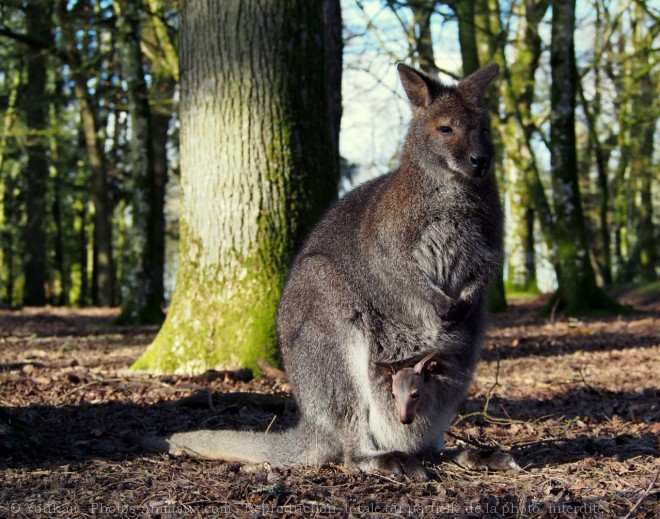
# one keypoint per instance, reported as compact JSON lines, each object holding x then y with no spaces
{"x":397,"y":268}
{"x":410,"y":385}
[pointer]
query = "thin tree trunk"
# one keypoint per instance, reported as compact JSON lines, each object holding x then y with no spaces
{"x":420,"y":33}
{"x":60,"y":260}
{"x":102,"y":270}
{"x":466,"y":34}
{"x":7,"y":191}
{"x":645,"y":109}
{"x":526,"y":197}
{"x":11,"y":218}
{"x":601,"y":157}
{"x":143,"y":304}
{"x":257,"y":171}
{"x":38,"y":20}
{"x":84,"y":297}
{"x":577,"y":291}
{"x":475,"y":33}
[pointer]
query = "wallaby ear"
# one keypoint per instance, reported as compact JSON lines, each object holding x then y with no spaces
{"x":419,"y":88}
{"x":476,"y":83}
{"x":426,"y":363}
{"x":386,"y":368}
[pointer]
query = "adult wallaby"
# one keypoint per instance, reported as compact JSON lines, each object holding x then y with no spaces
{"x":410,"y":384}
{"x":395,"y":269}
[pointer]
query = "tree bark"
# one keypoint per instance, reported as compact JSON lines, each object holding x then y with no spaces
{"x":334,"y":48}
{"x":466,"y":35}
{"x":257,"y":170}
{"x":38,"y":20}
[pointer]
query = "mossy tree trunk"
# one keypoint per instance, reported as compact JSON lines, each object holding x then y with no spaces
{"x":577,"y":291}
{"x":145,"y":283}
{"x":257,"y":170}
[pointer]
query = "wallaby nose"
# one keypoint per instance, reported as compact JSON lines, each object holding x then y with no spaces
{"x":406,"y":419}
{"x":478,"y":161}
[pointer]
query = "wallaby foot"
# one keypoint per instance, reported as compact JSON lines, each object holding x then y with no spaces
{"x":395,"y":462}
{"x":479,"y":459}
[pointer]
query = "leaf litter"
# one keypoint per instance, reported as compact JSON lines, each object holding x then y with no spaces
{"x":562,"y":420}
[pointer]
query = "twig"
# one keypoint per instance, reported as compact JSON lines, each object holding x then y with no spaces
{"x":270,"y":371}
{"x":584,"y":381}
{"x":466,"y":440}
{"x":554,"y":311}
{"x":495,"y":384}
{"x":271,"y":424}
{"x":644,"y":495}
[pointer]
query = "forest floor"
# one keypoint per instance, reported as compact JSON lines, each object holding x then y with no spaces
{"x":575,"y":402}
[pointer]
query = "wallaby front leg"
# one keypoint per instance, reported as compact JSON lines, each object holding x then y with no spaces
{"x":450,"y":310}
{"x":394,"y":462}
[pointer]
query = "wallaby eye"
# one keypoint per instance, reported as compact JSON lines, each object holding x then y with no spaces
{"x":393,"y":396}
{"x":445,"y":130}
{"x":414,"y":395}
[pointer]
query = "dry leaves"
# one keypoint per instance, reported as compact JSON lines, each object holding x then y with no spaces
{"x":574,"y":403}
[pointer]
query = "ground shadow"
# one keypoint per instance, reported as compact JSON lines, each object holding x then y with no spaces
{"x":567,"y":344}
{"x":72,"y":434}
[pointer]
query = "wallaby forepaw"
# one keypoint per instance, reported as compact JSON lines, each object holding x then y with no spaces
{"x":401,"y":464}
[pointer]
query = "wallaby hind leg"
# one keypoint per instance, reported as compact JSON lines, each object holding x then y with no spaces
{"x":394,"y":462}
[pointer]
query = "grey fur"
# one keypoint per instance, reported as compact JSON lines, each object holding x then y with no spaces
{"x":396,"y":269}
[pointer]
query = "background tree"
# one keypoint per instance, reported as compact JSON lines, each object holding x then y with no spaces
{"x":577,"y":290}
{"x":145,"y":283}
{"x":72,"y":230}
{"x":38,"y":26}
{"x":257,"y":171}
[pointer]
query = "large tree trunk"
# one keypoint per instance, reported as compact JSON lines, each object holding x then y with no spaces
{"x":577,"y":291}
{"x":38,"y":19}
{"x":257,"y":170}
{"x":145,"y":283}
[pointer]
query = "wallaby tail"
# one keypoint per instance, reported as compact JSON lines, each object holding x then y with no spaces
{"x":280,"y":449}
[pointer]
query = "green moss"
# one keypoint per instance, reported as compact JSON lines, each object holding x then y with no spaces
{"x":217,"y":323}
{"x":593,"y":303}
{"x":650,"y":288}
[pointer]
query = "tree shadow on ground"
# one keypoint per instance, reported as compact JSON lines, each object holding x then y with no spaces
{"x":78,"y":433}
{"x":54,"y":322}
{"x":567,"y":344}
{"x":559,"y":451}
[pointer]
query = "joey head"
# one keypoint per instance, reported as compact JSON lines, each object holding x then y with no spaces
{"x":409,"y":385}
